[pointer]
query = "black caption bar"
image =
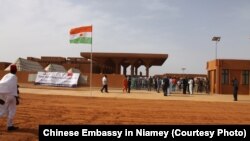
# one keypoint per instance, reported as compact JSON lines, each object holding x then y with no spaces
{"x":159,"y":132}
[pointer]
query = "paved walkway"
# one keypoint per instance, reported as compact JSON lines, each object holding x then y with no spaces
{"x":135,"y":94}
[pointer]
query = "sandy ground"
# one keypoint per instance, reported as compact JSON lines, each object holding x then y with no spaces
{"x":80,"y":106}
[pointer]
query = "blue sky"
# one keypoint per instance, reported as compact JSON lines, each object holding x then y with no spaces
{"x":181,"y":28}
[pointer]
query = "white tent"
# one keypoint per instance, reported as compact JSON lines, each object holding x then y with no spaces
{"x":26,"y":65}
{"x":55,"y":68}
{"x":74,"y":70}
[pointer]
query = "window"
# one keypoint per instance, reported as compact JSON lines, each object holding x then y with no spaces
{"x":225,"y":76}
{"x":245,"y":77}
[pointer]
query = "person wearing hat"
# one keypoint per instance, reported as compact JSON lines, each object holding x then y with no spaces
{"x":8,"y":91}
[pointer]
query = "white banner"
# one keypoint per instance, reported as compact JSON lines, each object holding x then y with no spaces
{"x":57,"y":79}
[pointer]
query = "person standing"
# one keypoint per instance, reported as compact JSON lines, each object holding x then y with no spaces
{"x":150,"y":82}
{"x":165,"y":86}
{"x":125,"y":84}
{"x":9,"y":93}
{"x":104,"y":84}
{"x":190,"y":85}
{"x":159,"y":84}
{"x":129,"y":84}
{"x":185,"y":85}
{"x":235,"y":89}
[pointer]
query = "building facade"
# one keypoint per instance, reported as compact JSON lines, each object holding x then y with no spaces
{"x":221,"y":72}
{"x":112,"y":63}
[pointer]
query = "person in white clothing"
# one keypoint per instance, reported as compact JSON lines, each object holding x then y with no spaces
{"x":9,"y":94}
{"x":104,"y":84}
{"x":190,"y":84}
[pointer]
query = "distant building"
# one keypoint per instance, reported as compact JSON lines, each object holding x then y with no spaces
{"x":26,"y":65}
{"x":106,"y":63}
{"x":115,"y":65}
{"x":183,"y":75}
{"x":79,"y":63}
{"x":222,"y":71}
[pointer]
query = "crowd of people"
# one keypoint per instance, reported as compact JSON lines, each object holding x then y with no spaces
{"x":171,"y":84}
{"x":164,"y":84}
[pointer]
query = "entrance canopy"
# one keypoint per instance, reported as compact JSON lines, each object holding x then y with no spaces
{"x":112,"y":62}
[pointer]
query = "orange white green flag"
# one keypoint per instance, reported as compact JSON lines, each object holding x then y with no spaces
{"x":81,"y":35}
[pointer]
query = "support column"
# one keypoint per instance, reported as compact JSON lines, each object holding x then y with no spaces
{"x":132,"y":70}
{"x":147,"y":69}
{"x":136,"y":71}
{"x":124,"y":70}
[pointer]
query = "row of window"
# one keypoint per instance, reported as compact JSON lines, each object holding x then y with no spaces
{"x":244,"y":77}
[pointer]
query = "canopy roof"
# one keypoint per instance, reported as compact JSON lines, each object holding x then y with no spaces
{"x":26,"y":65}
{"x":128,"y":58}
{"x":55,"y":68}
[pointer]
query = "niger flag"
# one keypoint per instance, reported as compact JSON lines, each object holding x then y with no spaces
{"x":81,"y":35}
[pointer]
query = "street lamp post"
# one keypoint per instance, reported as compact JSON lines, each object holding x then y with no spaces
{"x":183,"y":69}
{"x":216,"y":39}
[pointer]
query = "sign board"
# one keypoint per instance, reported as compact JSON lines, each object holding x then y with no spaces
{"x":57,"y":79}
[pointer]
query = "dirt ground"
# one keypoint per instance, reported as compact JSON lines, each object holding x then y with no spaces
{"x":36,"y":109}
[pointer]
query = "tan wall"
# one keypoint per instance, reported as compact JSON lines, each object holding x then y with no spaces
{"x":235,"y":64}
{"x":235,"y":68}
{"x":227,"y":89}
{"x":22,"y":76}
{"x":229,"y":64}
{"x":4,"y":65}
{"x":85,"y":68}
{"x":114,"y":80}
{"x":2,"y":73}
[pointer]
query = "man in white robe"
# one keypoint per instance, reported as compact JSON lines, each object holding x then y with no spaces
{"x":8,"y":93}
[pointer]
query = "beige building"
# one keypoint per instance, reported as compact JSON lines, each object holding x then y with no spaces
{"x":222,"y":71}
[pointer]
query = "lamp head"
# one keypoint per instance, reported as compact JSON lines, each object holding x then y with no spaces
{"x":216,"y":38}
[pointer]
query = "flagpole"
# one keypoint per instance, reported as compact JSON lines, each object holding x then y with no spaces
{"x":91,"y":63}
{"x":76,"y":36}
